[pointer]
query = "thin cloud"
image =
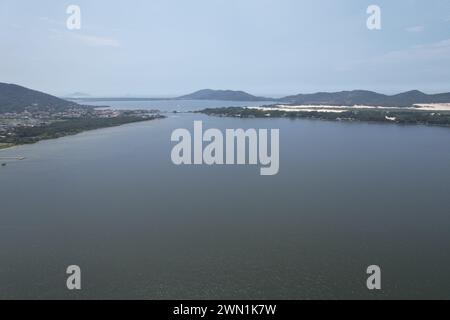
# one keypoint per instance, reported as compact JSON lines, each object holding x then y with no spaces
{"x":95,"y":41}
{"x":415,"y":29}
{"x":50,"y":21}
{"x":435,"y":53}
{"x":428,"y":52}
{"x":89,"y":40}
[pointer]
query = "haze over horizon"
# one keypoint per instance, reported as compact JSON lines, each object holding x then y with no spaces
{"x":267,"y":48}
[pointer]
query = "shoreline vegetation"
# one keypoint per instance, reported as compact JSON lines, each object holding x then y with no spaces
{"x":63,"y":128}
{"x":5,"y":145}
{"x":409,"y":116}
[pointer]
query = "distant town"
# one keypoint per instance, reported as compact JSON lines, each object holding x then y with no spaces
{"x":28,"y":116}
{"x":31,"y":125}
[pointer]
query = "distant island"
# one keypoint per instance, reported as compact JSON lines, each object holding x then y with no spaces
{"x":78,"y":95}
{"x":28,"y":116}
{"x":223,"y":95}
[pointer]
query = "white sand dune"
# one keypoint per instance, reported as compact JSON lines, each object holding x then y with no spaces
{"x":340,"y":109}
{"x":289,"y":109}
{"x":314,"y":108}
{"x":433,"y":107}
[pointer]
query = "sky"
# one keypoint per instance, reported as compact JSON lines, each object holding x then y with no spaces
{"x":265,"y":47}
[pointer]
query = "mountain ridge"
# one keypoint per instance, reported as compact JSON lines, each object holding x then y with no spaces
{"x":15,"y":98}
{"x":225,"y":95}
{"x":354,"y":97}
{"x":371,"y":98}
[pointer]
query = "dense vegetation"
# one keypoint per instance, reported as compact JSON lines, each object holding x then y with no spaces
{"x":372,"y":115}
{"x":25,"y":135}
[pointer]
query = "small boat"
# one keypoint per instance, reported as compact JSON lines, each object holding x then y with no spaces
{"x":3,"y":164}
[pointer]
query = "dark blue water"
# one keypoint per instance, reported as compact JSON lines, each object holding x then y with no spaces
{"x":348,"y":195}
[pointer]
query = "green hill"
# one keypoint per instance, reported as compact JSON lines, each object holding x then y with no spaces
{"x":14,"y":98}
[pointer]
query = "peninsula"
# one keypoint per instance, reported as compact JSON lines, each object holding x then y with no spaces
{"x":28,"y":116}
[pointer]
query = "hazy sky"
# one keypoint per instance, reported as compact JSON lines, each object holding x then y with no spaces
{"x":266,"y":47}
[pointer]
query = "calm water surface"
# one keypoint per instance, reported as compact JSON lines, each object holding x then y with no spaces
{"x":348,"y":195}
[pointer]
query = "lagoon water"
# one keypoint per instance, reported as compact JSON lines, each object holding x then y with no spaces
{"x":348,"y":195}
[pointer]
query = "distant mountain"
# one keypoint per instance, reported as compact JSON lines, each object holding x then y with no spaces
{"x":355,"y":97}
{"x":361,"y":97}
{"x":14,"y":98}
{"x":225,"y":95}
